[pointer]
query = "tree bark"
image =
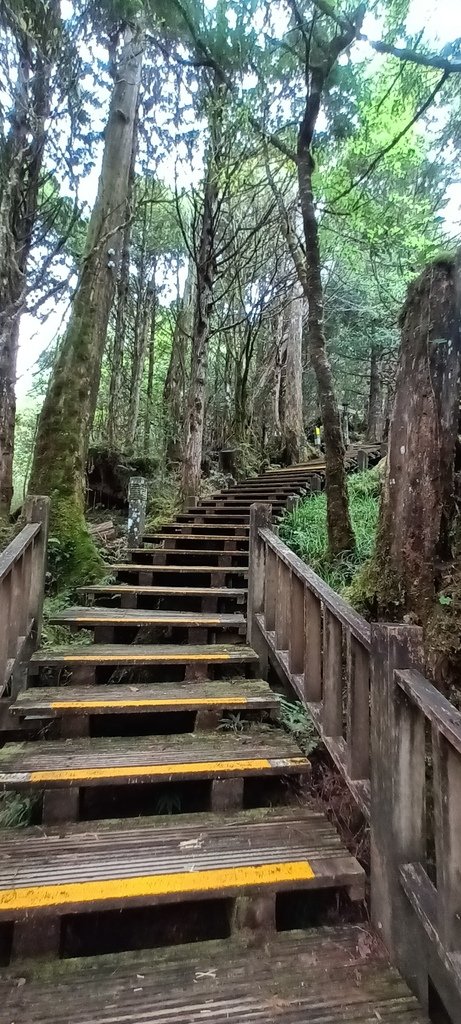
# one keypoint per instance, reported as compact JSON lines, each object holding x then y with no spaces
{"x":65,"y":422}
{"x":418,"y":502}
{"x":206,"y":274}
{"x":148,"y":412}
{"x":173,"y":392}
{"x":340,"y":533}
{"x":293,"y":427}
{"x":375,"y":400}
{"x":123,"y":291}
{"x":22,"y":164}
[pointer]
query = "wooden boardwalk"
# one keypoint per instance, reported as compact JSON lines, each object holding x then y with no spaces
{"x":168,"y":807}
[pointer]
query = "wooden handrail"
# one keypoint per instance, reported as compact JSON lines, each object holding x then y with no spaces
{"x":336,"y":604}
{"x":17,"y":547}
{"x":22,"y":586}
{"x":371,"y":704}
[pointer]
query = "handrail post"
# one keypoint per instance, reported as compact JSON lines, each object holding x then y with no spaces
{"x":397,"y":798}
{"x":260,"y":517}
{"x":137,"y":505}
{"x":37,"y":510}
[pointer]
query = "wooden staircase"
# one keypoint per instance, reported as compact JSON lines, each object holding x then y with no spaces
{"x":169,"y":808}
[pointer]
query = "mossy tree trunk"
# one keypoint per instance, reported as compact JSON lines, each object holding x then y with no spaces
{"x":205,"y":278}
{"x":416,"y":536}
{"x":22,"y":159}
{"x":293,"y":427}
{"x":340,"y":532}
{"x":66,"y":419}
{"x":123,"y":293}
{"x":375,"y":401}
{"x":174,"y":388}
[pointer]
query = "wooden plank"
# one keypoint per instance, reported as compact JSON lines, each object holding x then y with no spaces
{"x":312,"y":690}
{"x":17,"y":546}
{"x":94,"y":762}
{"x":239,"y":570}
{"x":447,"y":833}
{"x":270,"y":590}
{"x":282,"y":607}
{"x":133,"y":654}
{"x":152,"y":864}
{"x":332,"y":713}
{"x":358,"y":709}
{"x":336,"y":974}
{"x":137,"y":617}
{"x":296,"y":627}
{"x":68,"y":700}
{"x":157,"y":591}
{"x":440,"y":712}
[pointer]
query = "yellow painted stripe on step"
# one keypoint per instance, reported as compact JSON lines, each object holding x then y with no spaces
{"x":146,"y":657}
{"x":168,"y":620}
{"x":228,"y":702}
{"x":118,"y":889}
{"x":131,"y":771}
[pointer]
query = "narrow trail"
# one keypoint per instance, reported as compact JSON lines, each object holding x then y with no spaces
{"x":169,"y":813}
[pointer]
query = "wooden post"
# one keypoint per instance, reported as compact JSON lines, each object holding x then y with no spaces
{"x":260,"y":517}
{"x":397,"y":798}
{"x":447,"y":832}
{"x":358,"y":709}
{"x":332,"y":712}
{"x":37,"y":510}
{"x":313,"y":647}
{"x":137,"y":504}
{"x":362,"y":460}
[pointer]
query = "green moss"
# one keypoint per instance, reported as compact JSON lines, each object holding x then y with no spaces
{"x":73,"y":557}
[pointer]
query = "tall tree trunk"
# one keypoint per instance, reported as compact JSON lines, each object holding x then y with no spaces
{"x":340,"y":533}
{"x":22,"y":163}
{"x":173,"y":392}
{"x":293,"y":427}
{"x":375,"y":400}
{"x":65,"y":423}
{"x":143,"y":333}
{"x":206,"y":273}
{"x":418,"y":531}
{"x":150,"y":372}
{"x":123,"y":291}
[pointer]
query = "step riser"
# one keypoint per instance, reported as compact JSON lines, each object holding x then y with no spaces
{"x":175,"y":556}
{"x":127,"y":632}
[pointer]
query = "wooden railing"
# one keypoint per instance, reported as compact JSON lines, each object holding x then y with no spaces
{"x":22,"y":582}
{"x":319,"y":642}
{"x":372,"y":706}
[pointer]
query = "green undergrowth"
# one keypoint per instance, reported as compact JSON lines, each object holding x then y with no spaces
{"x":55,"y":635}
{"x":163,"y":503}
{"x":296,"y":720}
{"x":16,"y":810}
{"x":304,"y":529}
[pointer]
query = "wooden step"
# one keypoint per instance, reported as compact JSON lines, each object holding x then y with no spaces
{"x":121,"y":589}
{"x":53,"y":876}
{"x":157,"y":538}
{"x":143,"y":654}
{"x":197,"y":530}
{"x":335,"y":975}
{"x":76,"y":763}
{"x":60,"y":701}
{"x":87,"y":618}
{"x":196,"y":552}
{"x":132,"y":567}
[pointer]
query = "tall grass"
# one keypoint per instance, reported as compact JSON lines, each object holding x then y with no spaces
{"x":304,"y":529}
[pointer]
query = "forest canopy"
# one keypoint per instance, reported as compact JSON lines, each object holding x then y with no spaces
{"x":209,"y":216}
